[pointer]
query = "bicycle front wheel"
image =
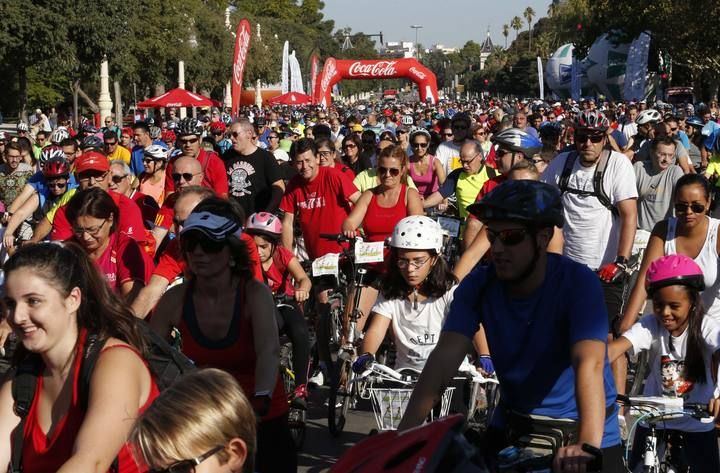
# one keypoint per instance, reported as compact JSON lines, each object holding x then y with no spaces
{"x":341,"y":395}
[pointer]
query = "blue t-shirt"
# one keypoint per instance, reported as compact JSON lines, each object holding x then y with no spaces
{"x":531,"y":339}
{"x":38,"y":182}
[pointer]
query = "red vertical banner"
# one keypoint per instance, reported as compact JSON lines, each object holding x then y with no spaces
{"x":242,"y":44}
{"x":327,"y":80}
{"x":313,"y":73}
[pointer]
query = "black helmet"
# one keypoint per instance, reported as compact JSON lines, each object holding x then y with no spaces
{"x":188,"y":126}
{"x":532,"y":202}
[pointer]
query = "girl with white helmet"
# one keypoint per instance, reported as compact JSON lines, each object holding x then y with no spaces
{"x":152,"y":180}
{"x":415,"y":295}
{"x":280,"y":268}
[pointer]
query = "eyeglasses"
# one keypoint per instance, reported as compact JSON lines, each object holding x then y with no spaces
{"x":394,"y":172}
{"x":109,"y":144}
{"x":419,"y":145}
{"x":480,"y":133}
{"x":325,"y":154}
{"x":594,"y":137}
{"x":468,"y":161}
{"x":189,"y":244}
{"x":150,"y":160}
{"x":682,"y":208}
{"x":118,"y":179}
{"x":82,"y":177}
{"x":191,"y":141}
{"x":416,"y":263}
{"x":92,"y":231}
{"x":349,"y":146}
{"x":187,"y":176}
{"x":188,"y":466}
{"x":400,"y":132}
{"x":509,"y":237}
{"x":273,"y":137}
{"x":538,"y":161}
{"x":447,"y":134}
{"x":57,"y":184}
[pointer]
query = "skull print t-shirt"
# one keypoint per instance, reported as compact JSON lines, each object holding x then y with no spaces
{"x":250,"y":178}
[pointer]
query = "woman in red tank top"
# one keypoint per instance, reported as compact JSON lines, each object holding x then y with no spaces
{"x":378,"y":210}
{"x":226,"y":320}
{"x":55,"y":298}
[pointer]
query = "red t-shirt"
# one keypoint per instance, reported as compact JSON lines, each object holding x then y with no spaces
{"x":123,"y":260}
{"x":277,"y":276}
{"x":164,"y":217}
{"x":322,"y":205}
{"x":172,"y":264}
{"x":345,"y":170}
{"x":213,"y":169}
{"x":489,"y":185}
{"x":130,"y":221}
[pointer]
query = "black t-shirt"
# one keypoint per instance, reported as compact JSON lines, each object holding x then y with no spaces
{"x":250,"y":178}
{"x":287,"y":171}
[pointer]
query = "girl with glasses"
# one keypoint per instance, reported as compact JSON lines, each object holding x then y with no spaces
{"x":93,"y":216}
{"x":426,"y":172}
{"x":378,"y":210}
{"x":691,"y":232}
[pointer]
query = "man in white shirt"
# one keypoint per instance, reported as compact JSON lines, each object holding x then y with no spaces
{"x":449,"y":151}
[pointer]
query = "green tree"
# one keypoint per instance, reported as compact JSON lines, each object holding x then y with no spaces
{"x":516,"y":24}
{"x":529,"y":14}
{"x":506,"y":32}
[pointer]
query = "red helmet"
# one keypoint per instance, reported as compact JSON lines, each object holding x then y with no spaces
{"x":217,"y":126}
{"x":674,"y":269}
{"x":56,"y":167}
{"x":265,"y":224}
{"x":592,"y":120}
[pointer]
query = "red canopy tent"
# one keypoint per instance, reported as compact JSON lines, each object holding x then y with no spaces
{"x":291,"y":98}
{"x":179,"y":98}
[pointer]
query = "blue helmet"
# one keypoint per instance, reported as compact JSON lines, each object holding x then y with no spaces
{"x":694,"y":121}
{"x":518,"y":140}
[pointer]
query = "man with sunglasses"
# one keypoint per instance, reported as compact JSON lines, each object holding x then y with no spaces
{"x":112,"y":148}
{"x":449,"y":151}
{"x":213,"y":170}
{"x":546,"y":337}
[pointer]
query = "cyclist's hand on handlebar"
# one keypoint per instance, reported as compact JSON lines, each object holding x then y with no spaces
{"x":363,"y":361}
{"x":442,"y":206}
{"x":350,"y":233}
{"x":612,"y":272}
{"x":572,"y":459}
{"x":301,"y":296}
{"x":714,"y":407}
{"x":485,"y":364}
{"x":8,"y":240}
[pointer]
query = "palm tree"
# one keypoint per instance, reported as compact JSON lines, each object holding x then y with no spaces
{"x":529,"y":13}
{"x":516,"y":24}
{"x":506,"y":33}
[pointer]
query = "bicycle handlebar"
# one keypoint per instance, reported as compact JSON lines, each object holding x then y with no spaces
{"x":663,"y":407}
{"x":338,"y":237}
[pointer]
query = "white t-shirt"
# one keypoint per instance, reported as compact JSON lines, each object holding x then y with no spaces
{"x":629,"y":130}
{"x":590,"y":231}
{"x":449,"y":155}
{"x":666,"y":366}
{"x":416,"y":331}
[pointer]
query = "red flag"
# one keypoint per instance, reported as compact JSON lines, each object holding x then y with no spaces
{"x":313,"y":73}
{"x":242,"y":44}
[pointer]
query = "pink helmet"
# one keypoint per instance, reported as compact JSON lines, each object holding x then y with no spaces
{"x":265,"y":224}
{"x":674,"y":269}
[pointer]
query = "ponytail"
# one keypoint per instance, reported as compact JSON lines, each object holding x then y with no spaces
{"x":696,"y":346}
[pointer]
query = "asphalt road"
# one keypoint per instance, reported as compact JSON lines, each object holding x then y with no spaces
{"x":321,"y":450}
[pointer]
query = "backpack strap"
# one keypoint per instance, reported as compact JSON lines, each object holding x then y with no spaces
{"x":23,"y":393}
{"x":567,"y":170}
{"x":598,"y":188}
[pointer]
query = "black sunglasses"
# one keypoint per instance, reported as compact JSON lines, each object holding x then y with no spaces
{"x":191,"y":141}
{"x":394,"y":172}
{"x":208,"y":246}
{"x":185,"y":175}
{"x":509,"y":237}
{"x":419,"y":145}
{"x":447,"y":134}
{"x":118,"y":179}
{"x":57,"y":185}
{"x":594,"y":137}
{"x":188,"y":466}
{"x":682,"y":208}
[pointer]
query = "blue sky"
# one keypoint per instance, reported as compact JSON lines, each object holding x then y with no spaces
{"x":448,"y":22}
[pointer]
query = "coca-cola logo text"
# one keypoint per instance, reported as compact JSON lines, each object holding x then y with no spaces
{"x":375,"y":69}
{"x":418,"y":74}
{"x":243,"y":46}
{"x":330,"y":71}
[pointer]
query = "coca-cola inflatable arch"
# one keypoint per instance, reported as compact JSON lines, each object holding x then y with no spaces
{"x":336,"y":70}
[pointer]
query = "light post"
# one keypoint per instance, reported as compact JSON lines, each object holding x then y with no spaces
{"x":417,"y":49}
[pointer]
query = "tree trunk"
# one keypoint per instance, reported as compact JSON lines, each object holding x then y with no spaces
{"x":86,"y":98}
{"x":23,"y":96}
{"x":118,"y":105}
{"x":76,"y":103}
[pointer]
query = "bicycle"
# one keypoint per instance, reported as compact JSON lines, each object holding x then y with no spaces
{"x":484,"y":398}
{"x":389,"y":392}
{"x":451,"y":226}
{"x":296,"y":415}
{"x":656,"y":410}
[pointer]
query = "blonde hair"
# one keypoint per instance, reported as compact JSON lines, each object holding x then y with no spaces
{"x":202,"y":410}
{"x":396,"y":152}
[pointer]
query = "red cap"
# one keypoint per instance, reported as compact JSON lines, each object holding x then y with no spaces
{"x":92,"y":161}
{"x":388,"y":112}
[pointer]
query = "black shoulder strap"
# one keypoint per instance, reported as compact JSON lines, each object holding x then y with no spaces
{"x":491,"y":172}
{"x":567,"y":170}
{"x":23,"y":393}
{"x":598,"y":187}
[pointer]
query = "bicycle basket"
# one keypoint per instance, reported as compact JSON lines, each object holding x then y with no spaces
{"x":389,"y":405}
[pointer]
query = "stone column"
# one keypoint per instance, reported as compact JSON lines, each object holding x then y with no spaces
{"x":181,"y":84}
{"x":104,"y":102}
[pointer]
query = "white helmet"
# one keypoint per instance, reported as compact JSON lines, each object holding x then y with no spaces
{"x":59,"y":135}
{"x":157,"y":152}
{"x":648,"y":116}
{"x":417,"y":232}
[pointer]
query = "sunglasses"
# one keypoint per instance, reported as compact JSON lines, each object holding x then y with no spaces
{"x":191,"y":141}
{"x":273,"y":137}
{"x":187,"y":176}
{"x":394,"y":172}
{"x":583,"y":137}
{"x":349,"y":146}
{"x":682,"y":208}
{"x":118,"y":179}
{"x":188,"y":466}
{"x":235,"y":134}
{"x":206,"y":245}
{"x":419,"y":145}
{"x":57,"y":184}
{"x":107,"y":143}
{"x":400,"y":132}
{"x":509,"y":237}
{"x":447,"y":134}
{"x":480,"y":133}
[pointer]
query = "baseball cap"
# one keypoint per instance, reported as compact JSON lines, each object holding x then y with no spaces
{"x":92,"y":161}
{"x":356,"y":127}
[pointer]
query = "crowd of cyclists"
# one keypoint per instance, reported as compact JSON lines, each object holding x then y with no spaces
{"x":570,"y":216}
